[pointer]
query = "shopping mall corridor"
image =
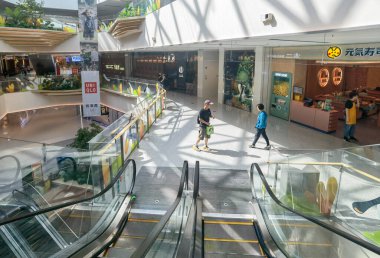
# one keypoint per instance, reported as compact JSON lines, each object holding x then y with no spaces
{"x":171,"y":138}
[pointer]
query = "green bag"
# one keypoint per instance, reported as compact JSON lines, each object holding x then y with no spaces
{"x":209,"y":130}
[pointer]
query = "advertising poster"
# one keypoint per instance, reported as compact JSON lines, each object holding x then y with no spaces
{"x":88,"y":23}
{"x":281,"y":94}
{"x":239,"y":78}
{"x":90,"y":93}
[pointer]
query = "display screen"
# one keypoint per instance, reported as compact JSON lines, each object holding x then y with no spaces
{"x":76,"y":58}
{"x":297,"y":90}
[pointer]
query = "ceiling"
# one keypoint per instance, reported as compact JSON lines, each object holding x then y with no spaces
{"x":356,"y":36}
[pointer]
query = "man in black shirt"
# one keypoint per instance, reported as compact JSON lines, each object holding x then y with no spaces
{"x":204,"y":121}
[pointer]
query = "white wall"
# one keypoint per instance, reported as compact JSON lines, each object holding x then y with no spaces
{"x":258,"y":79}
{"x":208,"y":68}
{"x":221,"y":76}
{"x":188,"y":21}
{"x":107,"y":43}
{"x":210,"y":75}
{"x":3,"y":110}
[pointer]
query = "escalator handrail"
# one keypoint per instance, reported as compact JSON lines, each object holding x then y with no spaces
{"x":186,"y":244}
{"x":151,"y":238}
{"x":196,"y":181}
{"x":337,"y":231}
{"x":18,"y":168}
{"x":67,"y":204}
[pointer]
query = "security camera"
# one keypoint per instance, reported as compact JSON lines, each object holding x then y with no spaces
{"x":267,"y":18}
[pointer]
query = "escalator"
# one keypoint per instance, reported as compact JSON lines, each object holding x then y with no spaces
{"x":67,"y":229}
{"x":101,"y":229}
{"x":274,"y":230}
{"x":154,"y":235}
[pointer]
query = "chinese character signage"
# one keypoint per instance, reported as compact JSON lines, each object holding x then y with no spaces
{"x":90,"y":93}
{"x":353,"y":52}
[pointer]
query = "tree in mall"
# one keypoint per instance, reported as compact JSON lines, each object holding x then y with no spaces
{"x":84,"y":135}
{"x":33,"y":10}
{"x":79,"y":171}
{"x":27,"y":14}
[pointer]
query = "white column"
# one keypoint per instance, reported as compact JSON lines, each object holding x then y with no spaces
{"x":221,"y":76}
{"x":258,"y":85}
{"x":200,"y":74}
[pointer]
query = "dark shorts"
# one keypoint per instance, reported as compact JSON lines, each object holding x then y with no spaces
{"x":202,"y":133}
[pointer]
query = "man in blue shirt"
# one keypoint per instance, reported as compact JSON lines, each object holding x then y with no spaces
{"x":261,"y":124}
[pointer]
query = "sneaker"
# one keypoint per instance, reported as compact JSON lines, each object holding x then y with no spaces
{"x":267,"y":147}
{"x":196,"y":148}
{"x":206,"y":148}
{"x":353,"y":138}
{"x":252,"y":146}
{"x":346,"y":139}
{"x":361,"y":207}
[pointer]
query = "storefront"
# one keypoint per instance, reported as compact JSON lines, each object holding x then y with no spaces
{"x":67,"y":64}
{"x":12,"y":65}
{"x":180,"y":69}
{"x":238,"y":78}
{"x":310,"y":86}
{"x":112,"y":65}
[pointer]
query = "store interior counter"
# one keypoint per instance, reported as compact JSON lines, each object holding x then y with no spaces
{"x":316,"y":118}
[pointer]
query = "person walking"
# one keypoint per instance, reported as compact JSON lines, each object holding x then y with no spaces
{"x":204,"y":121}
{"x":350,"y":107}
{"x":261,"y":124}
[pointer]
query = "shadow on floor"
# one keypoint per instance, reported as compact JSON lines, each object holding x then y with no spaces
{"x":232,"y":153}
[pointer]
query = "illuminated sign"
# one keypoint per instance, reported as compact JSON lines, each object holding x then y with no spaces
{"x":334,"y":52}
{"x":90,"y":87}
{"x":363,"y":51}
{"x":76,"y":58}
{"x":115,"y":67}
{"x":323,"y":77}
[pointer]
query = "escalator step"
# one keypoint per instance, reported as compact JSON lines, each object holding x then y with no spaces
{"x":120,"y":252}
{"x":232,"y":246}
{"x":232,"y":256}
{"x":133,"y":242}
{"x":229,"y":230}
{"x":141,"y":224}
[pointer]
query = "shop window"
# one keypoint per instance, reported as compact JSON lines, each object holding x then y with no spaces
{"x":337,"y":76}
{"x":323,"y":77}
{"x":238,"y":78}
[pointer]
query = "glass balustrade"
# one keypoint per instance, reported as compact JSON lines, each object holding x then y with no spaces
{"x":340,"y":188}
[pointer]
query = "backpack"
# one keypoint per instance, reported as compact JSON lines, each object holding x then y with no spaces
{"x":198,"y":121}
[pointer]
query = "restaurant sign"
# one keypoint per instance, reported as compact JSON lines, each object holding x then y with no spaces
{"x":335,"y":52}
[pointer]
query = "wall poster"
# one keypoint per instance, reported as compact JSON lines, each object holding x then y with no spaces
{"x":239,"y":68}
{"x":88,"y":23}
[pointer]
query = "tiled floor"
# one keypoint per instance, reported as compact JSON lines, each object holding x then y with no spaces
{"x":170,"y":142}
{"x":367,"y":131}
{"x":50,"y":125}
